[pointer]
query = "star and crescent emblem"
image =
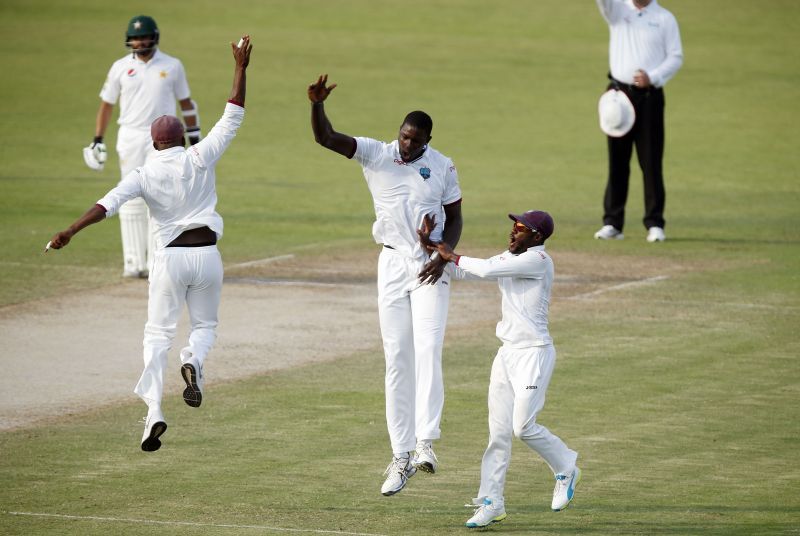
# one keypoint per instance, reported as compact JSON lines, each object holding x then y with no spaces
{"x":137,"y":25}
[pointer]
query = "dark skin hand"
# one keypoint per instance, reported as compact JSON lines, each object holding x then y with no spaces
{"x":434,"y":269}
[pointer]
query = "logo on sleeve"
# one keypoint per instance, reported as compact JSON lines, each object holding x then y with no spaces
{"x":425,"y":172}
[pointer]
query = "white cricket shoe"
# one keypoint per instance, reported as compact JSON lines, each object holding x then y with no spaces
{"x":397,"y":474}
{"x":192,"y":373}
{"x":425,"y":459}
{"x":154,"y":427}
{"x":486,"y":513}
{"x":609,"y":232}
{"x":565,"y":489}
{"x":656,"y":234}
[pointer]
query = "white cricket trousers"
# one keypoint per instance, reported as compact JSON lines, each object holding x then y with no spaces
{"x":138,"y":238}
{"x":180,"y":275}
{"x":412,"y":319}
{"x":517,"y":388}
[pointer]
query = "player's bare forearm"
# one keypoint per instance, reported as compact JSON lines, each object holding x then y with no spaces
{"x":241,"y":54}
{"x":91,"y":216}
{"x":453,"y":224}
{"x":446,"y":252}
{"x":321,"y":125}
{"x":326,"y":136}
{"x":103,"y":118}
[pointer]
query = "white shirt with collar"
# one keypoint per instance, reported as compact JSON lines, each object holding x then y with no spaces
{"x":526,"y":282}
{"x":179,"y":184}
{"x":646,"y":39}
{"x":404,"y":192}
{"x":145,"y":90}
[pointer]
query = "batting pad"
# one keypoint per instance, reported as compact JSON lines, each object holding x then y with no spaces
{"x":133,"y":221}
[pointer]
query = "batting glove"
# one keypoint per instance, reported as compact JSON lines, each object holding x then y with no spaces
{"x":99,"y":149}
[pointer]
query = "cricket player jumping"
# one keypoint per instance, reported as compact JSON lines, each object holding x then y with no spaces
{"x":179,"y":186}
{"x":523,"y":366}
{"x":146,"y":83}
{"x":407,"y":180}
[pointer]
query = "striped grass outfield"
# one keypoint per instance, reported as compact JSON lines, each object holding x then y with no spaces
{"x":680,"y":395}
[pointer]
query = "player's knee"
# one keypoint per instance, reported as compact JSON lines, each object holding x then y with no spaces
{"x":527,"y":429}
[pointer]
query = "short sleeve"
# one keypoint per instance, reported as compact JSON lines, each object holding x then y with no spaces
{"x":111,"y":87}
{"x":452,"y":190}
{"x":181,"y":87}
{"x":368,"y":151}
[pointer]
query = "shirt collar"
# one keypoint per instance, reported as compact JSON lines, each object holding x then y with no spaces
{"x":166,"y":153}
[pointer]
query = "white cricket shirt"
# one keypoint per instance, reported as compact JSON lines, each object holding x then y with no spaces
{"x":404,"y":192}
{"x":179,"y":184}
{"x":146,"y":90}
{"x":525,"y":282}
{"x":646,"y":39}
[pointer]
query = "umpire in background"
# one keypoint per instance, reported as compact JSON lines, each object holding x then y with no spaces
{"x":644,"y":53}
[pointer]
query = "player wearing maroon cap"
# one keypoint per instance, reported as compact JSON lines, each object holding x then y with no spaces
{"x":179,"y":187}
{"x":524,"y":364}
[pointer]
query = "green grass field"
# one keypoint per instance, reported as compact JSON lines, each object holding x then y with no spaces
{"x":682,"y":397}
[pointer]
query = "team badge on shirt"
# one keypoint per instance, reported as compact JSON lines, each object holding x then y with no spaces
{"x":163,"y":74}
{"x":425,"y":172}
{"x":131,"y":72}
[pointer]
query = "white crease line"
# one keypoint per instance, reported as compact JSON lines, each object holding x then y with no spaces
{"x":261,"y":261}
{"x":629,"y":284}
{"x":289,"y":282}
{"x":188,"y":523}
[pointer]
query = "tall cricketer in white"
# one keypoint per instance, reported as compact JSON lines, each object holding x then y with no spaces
{"x":179,"y":187}
{"x":407,"y":179}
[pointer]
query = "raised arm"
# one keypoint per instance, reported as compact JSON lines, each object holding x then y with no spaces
{"x":323,"y":130}
{"x":242,"y":56}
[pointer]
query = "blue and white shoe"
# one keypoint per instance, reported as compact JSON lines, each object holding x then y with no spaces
{"x":565,"y":489}
{"x":486,"y":513}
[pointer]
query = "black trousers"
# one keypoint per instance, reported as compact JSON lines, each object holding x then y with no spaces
{"x":647,"y":135}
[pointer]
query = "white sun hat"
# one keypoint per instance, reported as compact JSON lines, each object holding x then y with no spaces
{"x":616,"y":113}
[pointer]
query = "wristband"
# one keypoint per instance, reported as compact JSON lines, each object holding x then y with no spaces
{"x":98,"y":139}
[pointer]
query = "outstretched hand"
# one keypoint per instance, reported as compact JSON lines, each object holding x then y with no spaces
{"x":242,"y":53}
{"x":318,"y":91}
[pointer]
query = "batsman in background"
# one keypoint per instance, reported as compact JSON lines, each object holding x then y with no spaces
{"x":524,"y":364}
{"x":407,"y":180}
{"x":179,"y":186}
{"x":147,"y":83}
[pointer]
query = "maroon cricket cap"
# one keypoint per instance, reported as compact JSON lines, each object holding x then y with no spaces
{"x":538,"y":220}
{"x":166,"y":128}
